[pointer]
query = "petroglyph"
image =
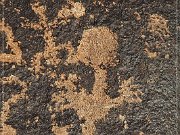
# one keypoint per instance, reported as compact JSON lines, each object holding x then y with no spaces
{"x":16,"y":53}
{"x":97,"y":47}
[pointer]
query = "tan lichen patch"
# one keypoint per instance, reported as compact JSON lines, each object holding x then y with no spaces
{"x":16,"y":55}
{"x":7,"y":129}
{"x":158,"y":25}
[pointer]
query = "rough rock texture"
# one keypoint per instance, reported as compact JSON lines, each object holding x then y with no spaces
{"x":89,"y":67}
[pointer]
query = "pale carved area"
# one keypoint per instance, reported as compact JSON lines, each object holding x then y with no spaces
{"x":14,"y":57}
{"x":51,"y":50}
{"x":97,"y":47}
{"x":7,"y":129}
{"x":150,"y":54}
{"x":60,"y":131}
{"x":93,"y":107}
{"x":76,"y":10}
{"x":16,"y":54}
{"x":50,"y":54}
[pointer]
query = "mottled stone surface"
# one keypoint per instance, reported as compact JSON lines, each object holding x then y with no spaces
{"x":89,"y":67}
